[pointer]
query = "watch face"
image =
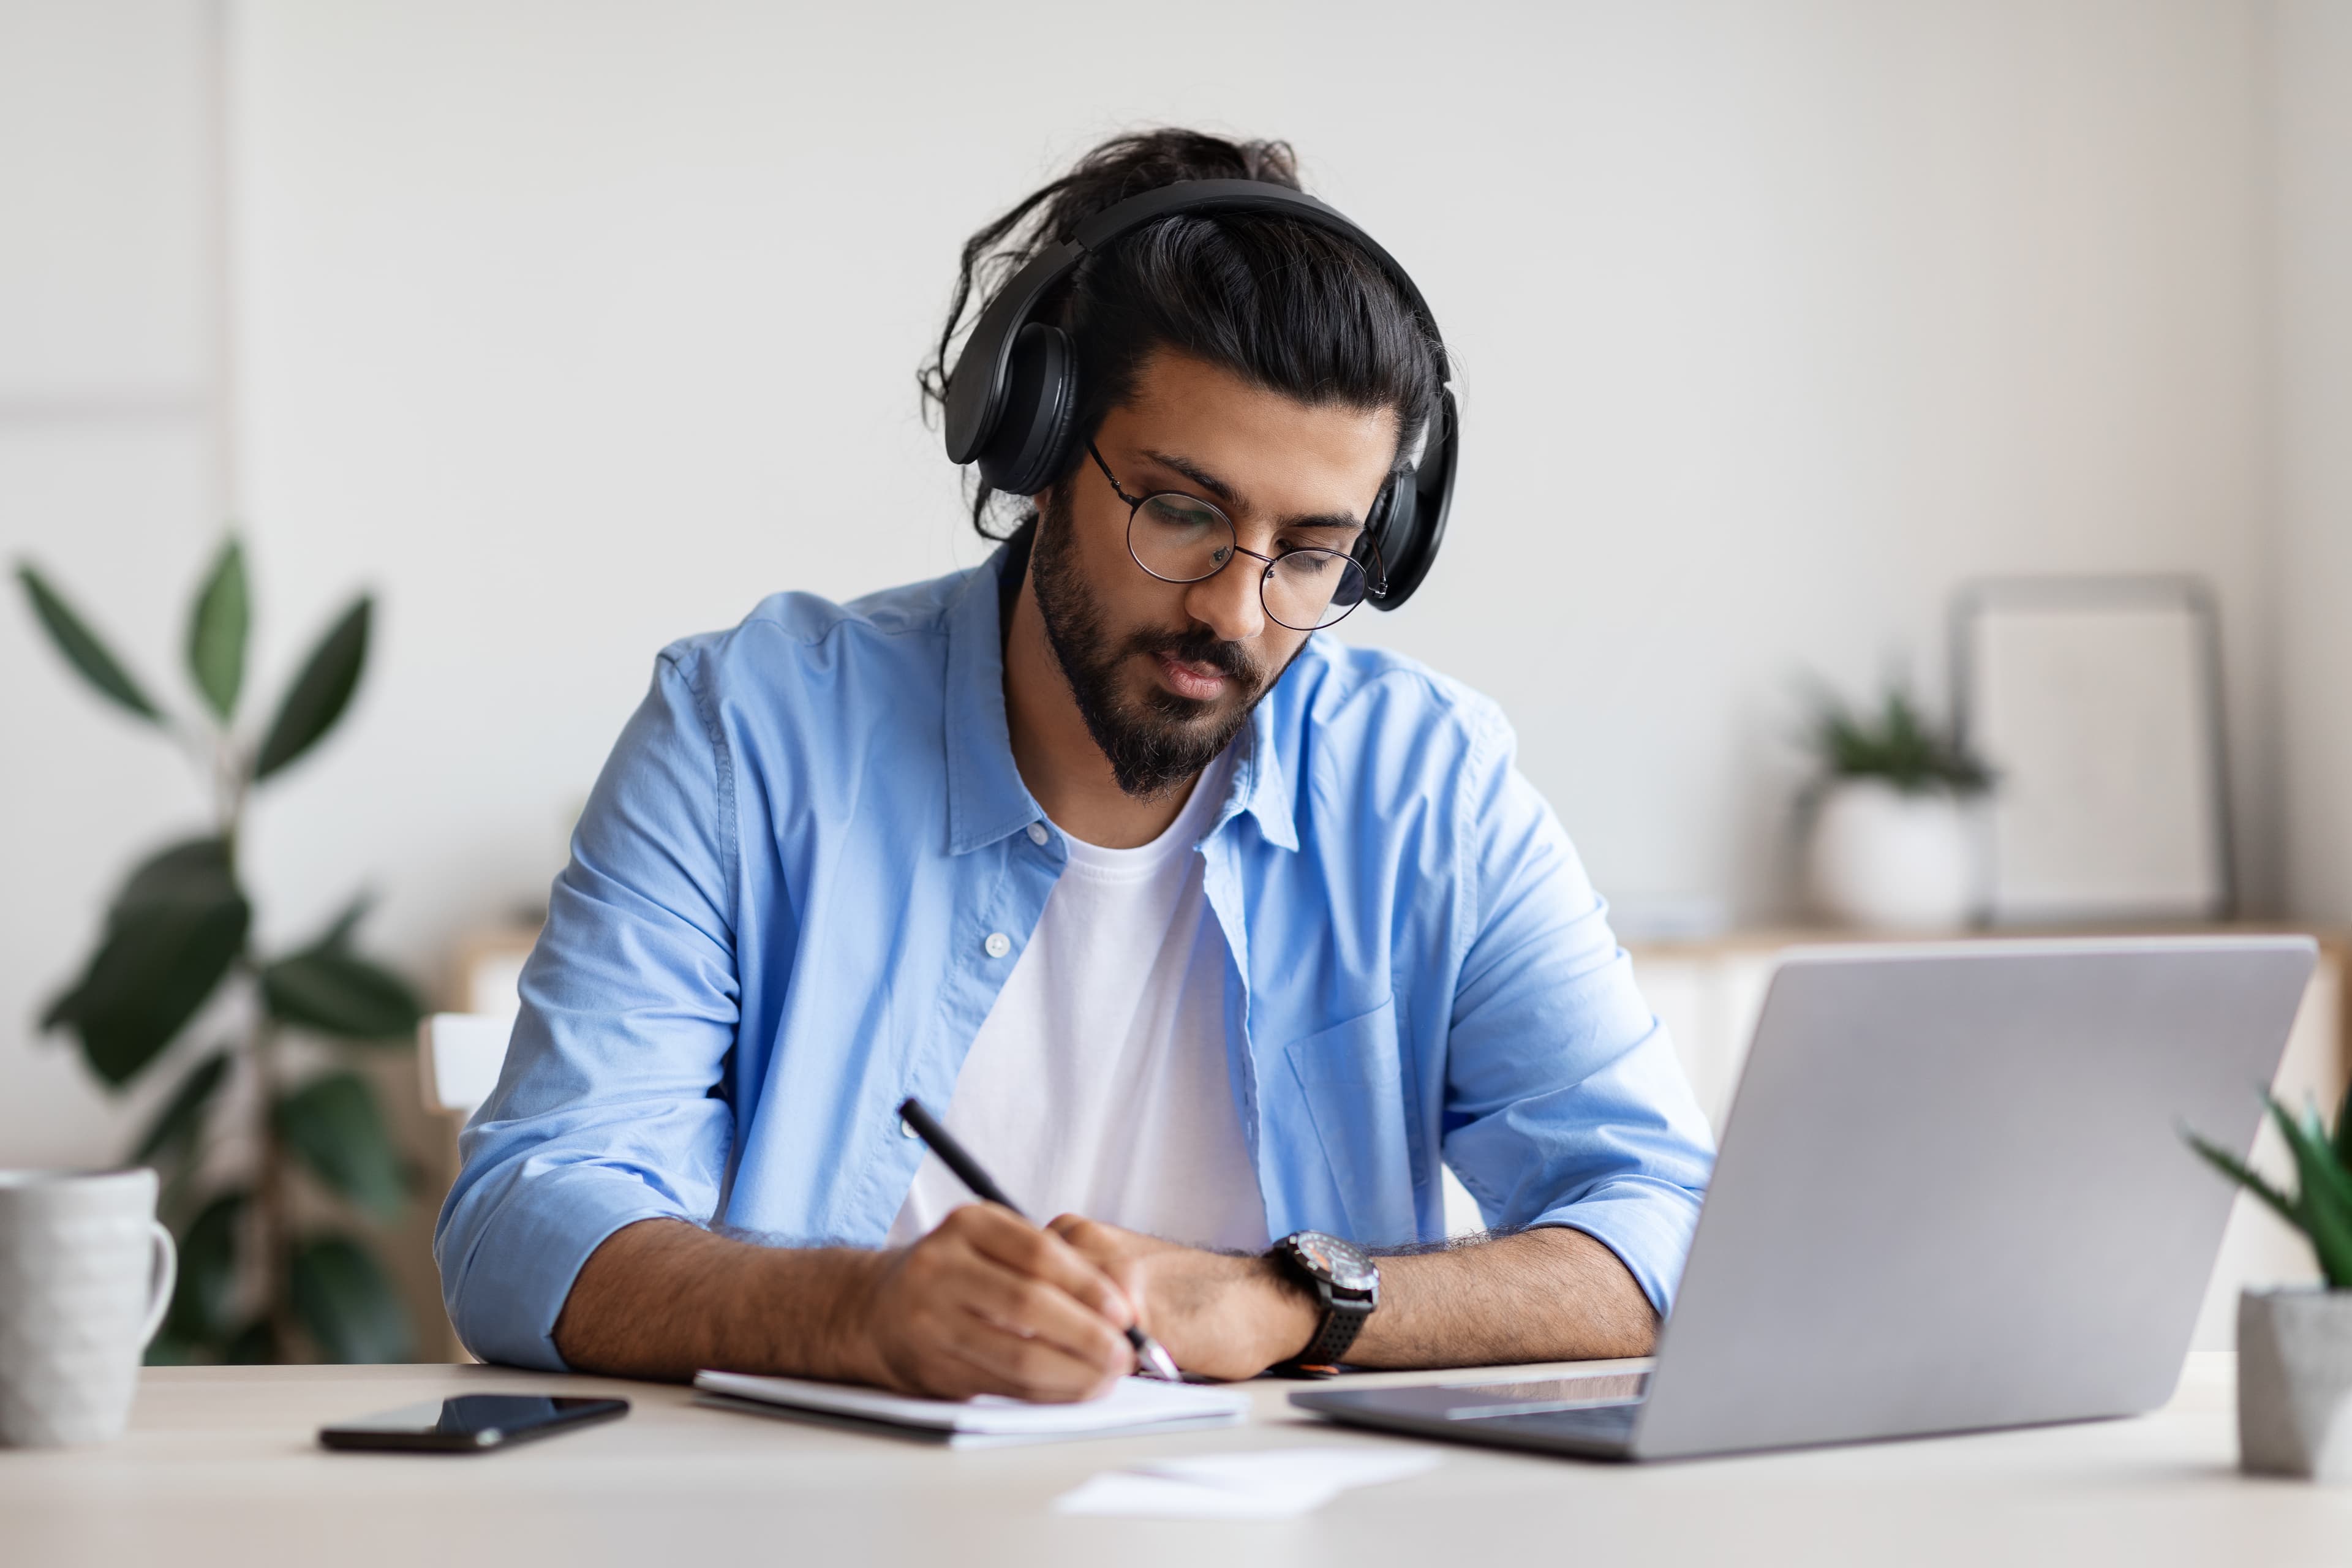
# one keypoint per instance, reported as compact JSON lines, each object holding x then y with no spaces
{"x":1343,"y":1263}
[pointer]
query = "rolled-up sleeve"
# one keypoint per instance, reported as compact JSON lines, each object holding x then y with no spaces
{"x":605,"y":1113}
{"x":1565,"y":1103}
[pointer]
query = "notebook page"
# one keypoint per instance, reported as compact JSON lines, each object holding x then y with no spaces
{"x":1134,"y":1402}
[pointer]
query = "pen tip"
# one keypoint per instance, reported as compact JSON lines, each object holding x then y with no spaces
{"x":1156,"y":1360}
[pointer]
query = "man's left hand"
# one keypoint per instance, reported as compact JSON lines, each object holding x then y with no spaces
{"x":1217,"y":1314}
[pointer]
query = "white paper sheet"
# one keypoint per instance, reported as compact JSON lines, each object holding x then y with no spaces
{"x":1134,"y":1403}
{"x":1274,"y":1483}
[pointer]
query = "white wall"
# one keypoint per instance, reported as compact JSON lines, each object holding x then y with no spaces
{"x":576,"y":328}
{"x":2312,"y":316}
{"x":110,"y":476}
{"x":581,"y":329}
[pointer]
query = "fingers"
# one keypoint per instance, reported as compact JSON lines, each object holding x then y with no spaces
{"x":988,"y":1304}
{"x":1127,"y":1275}
{"x":1107,"y":1243}
{"x":1011,"y":1241}
{"x":1031,"y":1309}
{"x":947,"y":1353}
{"x":1120,"y":1254}
{"x":1090,"y":1238}
{"x":993,"y":1359}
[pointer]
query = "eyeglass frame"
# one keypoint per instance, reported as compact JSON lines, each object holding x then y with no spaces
{"x":1375,"y":585}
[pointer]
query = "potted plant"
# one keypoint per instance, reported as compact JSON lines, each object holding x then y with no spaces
{"x":268,"y":1131}
{"x":2294,"y":1344}
{"x":1891,"y":843}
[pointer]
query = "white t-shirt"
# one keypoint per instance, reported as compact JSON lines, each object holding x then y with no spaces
{"x":1098,"y":1085}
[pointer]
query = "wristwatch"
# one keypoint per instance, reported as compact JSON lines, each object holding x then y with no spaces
{"x":1343,"y":1277}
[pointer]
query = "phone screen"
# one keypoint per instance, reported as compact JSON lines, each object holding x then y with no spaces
{"x":470,"y":1422}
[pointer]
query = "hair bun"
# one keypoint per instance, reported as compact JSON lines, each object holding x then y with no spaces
{"x":1130,"y":166}
{"x":1288,"y":306}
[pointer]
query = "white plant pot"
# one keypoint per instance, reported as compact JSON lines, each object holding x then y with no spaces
{"x":1883,"y":858}
{"x":2295,"y":1384}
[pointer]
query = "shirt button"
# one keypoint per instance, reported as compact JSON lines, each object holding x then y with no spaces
{"x":1037,"y":834}
{"x":906,"y":1129}
{"x":997,"y":944}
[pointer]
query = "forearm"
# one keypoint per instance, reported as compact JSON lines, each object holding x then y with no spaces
{"x":1548,"y":1294}
{"x":662,"y":1298}
{"x":1552,"y":1294}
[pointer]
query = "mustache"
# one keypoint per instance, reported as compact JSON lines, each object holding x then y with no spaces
{"x":1200,"y":647}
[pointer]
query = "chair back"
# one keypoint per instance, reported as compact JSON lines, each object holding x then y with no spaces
{"x":458,"y":1055}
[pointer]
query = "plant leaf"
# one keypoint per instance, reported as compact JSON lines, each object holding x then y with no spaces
{"x":346,"y":1302}
{"x":193,"y":871}
{"x":2344,"y":1131}
{"x":2324,"y":1205}
{"x":320,"y":693}
{"x":175,"y":929}
{"x":217,"y":632}
{"x":333,"y":1123}
{"x":206,"y":1293}
{"x":338,"y":934}
{"x":2238,"y":1171}
{"x":256,"y":1344}
{"x":170,"y":1138}
{"x":82,"y":648}
{"x":339,"y":993}
{"x":1898,"y":744}
{"x":2310,"y":1143}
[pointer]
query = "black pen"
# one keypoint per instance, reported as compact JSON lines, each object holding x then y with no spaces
{"x":955,"y":1157}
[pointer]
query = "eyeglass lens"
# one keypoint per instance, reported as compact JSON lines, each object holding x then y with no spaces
{"x":1179,"y":539}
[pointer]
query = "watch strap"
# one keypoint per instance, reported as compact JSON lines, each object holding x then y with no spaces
{"x":1342,"y":1321}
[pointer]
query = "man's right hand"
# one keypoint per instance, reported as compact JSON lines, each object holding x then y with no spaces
{"x":988,"y":1303}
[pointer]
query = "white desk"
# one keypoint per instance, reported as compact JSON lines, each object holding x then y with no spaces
{"x":221,"y":1468}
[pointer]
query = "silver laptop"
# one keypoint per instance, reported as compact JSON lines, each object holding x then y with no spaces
{"x":1952,"y":1194}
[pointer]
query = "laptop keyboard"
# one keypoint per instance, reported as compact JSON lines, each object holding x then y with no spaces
{"x":1531,"y":1396}
{"x":1595,"y":1414}
{"x":1605,"y":1423}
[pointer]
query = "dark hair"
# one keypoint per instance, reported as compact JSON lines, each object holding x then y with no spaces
{"x":1287,"y":306}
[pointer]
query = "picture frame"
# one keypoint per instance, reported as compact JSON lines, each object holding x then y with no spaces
{"x":2097,"y":703}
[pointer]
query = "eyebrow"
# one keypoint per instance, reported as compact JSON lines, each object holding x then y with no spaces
{"x":1220,"y":490}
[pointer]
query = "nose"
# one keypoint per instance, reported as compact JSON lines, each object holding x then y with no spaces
{"x":1228,"y":604}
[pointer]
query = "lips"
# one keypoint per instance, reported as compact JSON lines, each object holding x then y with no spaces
{"x":1191,"y":678}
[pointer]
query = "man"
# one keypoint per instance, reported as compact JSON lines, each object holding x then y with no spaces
{"x":1211,"y":937}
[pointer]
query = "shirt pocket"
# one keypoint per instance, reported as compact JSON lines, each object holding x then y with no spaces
{"x":1352,"y":1078}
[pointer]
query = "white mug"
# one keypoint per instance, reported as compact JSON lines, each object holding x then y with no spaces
{"x":86,"y":1274}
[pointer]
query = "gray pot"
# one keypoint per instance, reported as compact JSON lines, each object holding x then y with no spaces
{"x":2294,"y":1383}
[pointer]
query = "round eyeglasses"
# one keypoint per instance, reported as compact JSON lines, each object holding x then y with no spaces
{"x":1179,"y":538}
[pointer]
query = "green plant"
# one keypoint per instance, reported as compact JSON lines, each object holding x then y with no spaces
{"x":260,"y":1112}
{"x":1898,"y":744}
{"x":2321,"y":1206}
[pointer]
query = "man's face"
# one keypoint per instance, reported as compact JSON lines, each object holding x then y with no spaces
{"x":1165,"y":673}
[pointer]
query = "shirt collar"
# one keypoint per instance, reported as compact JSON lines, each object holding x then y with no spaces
{"x":986,"y":799}
{"x":1261,"y":788}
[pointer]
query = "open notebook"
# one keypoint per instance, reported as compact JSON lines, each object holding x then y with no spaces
{"x":1136,"y":1405}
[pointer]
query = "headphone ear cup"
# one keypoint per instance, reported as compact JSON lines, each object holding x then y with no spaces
{"x":1389,"y":531}
{"x":1415,"y":517}
{"x":1029,"y":447}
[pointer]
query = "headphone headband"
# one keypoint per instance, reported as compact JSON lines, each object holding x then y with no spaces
{"x":982,"y":384}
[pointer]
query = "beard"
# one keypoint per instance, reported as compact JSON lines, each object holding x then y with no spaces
{"x":1164,"y":740}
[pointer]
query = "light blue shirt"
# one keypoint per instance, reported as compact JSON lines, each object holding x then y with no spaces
{"x":811,"y":863}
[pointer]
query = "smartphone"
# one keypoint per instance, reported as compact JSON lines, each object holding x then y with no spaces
{"x":471,"y":1423}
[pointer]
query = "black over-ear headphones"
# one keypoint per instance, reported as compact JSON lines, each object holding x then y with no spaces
{"x":1012,"y":395}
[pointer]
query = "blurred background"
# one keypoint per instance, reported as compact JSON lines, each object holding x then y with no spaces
{"x":570,"y":328}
